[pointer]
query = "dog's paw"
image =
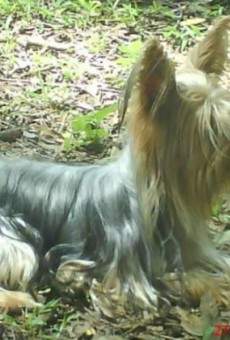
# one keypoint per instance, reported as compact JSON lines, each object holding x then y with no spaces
{"x":14,"y":300}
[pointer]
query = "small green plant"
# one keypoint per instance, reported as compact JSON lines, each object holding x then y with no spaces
{"x":87,"y":130}
{"x":129,"y":53}
{"x":208,"y":333}
{"x":32,"y":323}
{"x":160,"y":10}
{"x":127,"y":13}
{"x":216,"y":210}
{"x":8,"y":49}
{"x":72,"y":69}
{"x":197,"y":8}
{"x":62,"y":11}
{"x":182,"y":36}
{"x":96,"y":43}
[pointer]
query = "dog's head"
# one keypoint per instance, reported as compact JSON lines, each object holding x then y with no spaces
{"x":180,"y":119}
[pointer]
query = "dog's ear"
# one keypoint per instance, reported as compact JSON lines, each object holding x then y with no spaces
{"x":210,"y":54}
{"x":154,"y":78}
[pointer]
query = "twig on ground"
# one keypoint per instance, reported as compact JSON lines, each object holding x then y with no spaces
{"x":47,"y":44}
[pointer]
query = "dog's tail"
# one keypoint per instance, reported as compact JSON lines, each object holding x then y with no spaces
{"x":18,"y":262}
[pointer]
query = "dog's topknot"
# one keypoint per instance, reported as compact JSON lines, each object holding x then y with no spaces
{"x":192,"y":86}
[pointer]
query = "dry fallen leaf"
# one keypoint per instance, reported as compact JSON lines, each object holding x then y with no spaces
{"x":191,"y":323}
{"x":192,"y":21}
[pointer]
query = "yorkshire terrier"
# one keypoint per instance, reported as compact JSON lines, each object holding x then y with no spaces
{"x":129,"y":222}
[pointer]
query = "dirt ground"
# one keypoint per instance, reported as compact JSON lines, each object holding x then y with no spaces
{"x":52,"y":73}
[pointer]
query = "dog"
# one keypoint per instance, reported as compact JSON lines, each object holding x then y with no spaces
{"x":127,"y":223}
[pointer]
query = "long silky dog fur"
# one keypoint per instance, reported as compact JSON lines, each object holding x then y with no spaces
{"x":130,"y":221}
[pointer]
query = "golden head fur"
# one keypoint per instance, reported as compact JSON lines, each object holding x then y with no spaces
{"x":179,"y":121}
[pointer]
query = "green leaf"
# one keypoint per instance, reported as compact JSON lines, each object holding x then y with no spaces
{"x":105,"y":111}
{"x":87,"y":128}
{"x":208,"y":333}
{"x":84,"y":123}
{"x":217,"y":209}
